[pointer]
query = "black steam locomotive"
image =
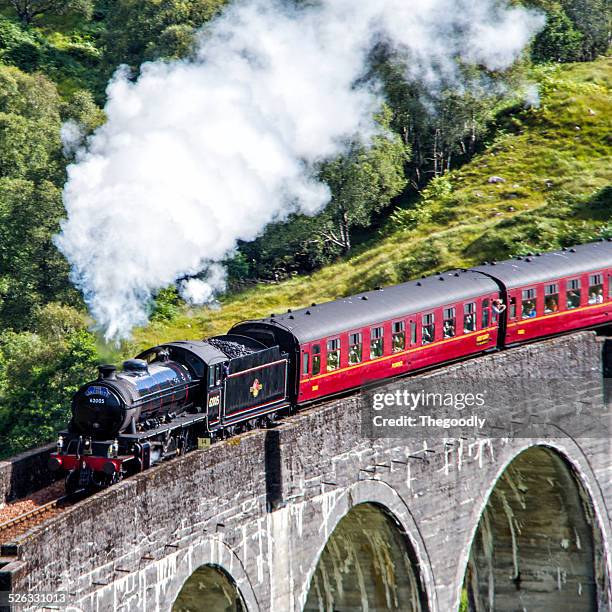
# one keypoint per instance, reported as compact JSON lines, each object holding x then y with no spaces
{"x":163,"y":402}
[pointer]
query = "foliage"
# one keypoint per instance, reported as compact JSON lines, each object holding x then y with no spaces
{"x":559,"y":41}
{"x":166,"y":306}
{"x":39,"y":371}
{"x":32,"y":270}
{"x":592,"y":18}
{"x":437,"y":191}
{"x":576,"y":30}
{"x":141,"y":30}
{"x":27,"y":10}
{"x":31,"y":174}
{"x":362,"y":182}
{"x":68,"y":59}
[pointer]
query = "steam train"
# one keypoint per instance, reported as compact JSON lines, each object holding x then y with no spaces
{"x":173,"y":396}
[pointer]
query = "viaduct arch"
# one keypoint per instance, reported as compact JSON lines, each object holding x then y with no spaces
{"x":539,"y":541}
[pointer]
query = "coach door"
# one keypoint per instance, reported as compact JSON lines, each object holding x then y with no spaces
{"x":215,"y":394}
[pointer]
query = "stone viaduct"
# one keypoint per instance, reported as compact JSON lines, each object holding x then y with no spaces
{"x":313,"y":515}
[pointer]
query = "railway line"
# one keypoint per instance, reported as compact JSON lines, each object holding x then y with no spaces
{"x":23,"y":522}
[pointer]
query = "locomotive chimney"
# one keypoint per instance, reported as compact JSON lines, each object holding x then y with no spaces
{"x":107,"y":372}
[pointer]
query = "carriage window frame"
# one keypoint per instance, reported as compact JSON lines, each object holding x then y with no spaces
{"x":449,"y":315}
{"x":428,"y":328}
{"x":333,"y":354}
{"x":355,"y":354}
{"x":377,"y":342}
{"x":398,"y":336}
{"x":596,"y":287}
{"x":513,"y":307}
{"x":469,"y":318}
{"x":305,"y":363}
{"x":413,"y":332}
{"x":573,"y":286}
{"x":485,"y":315}
{"x":529,"y":304}
{"x":551,"y":298}
{"x":316,"y":359}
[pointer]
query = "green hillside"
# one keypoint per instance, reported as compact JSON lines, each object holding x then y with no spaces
{"x":545,"y":181}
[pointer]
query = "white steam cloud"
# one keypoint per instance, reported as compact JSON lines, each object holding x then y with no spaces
{"x":198,"y":154}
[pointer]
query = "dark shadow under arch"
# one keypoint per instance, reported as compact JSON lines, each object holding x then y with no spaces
{"x":538,"y":545}
{"x":209,"y":589}
{"x":367,"y":563}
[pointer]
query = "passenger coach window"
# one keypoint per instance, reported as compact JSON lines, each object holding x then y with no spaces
{"x":399,"y":337}
{"x":316,"y":359}
{"x":573,"y":293}
{"x":376,"y":342}
{"x":412,"y":332}
{"x":610,"y":287}
{"x":449,"y":323}
{"x":551,"y":298}
{"x":528,"y":310}
{"x":512,"y":307}
{"x":596,"y":294}
{"x":429,"y":328}
{"x":469,"y":317}
{"x":486,"y":313}
{"x":305,"y":363}
{"x":355,"y":349}
{"x":333,"y":354}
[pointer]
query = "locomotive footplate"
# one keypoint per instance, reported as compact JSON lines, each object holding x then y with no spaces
{"x":180,"y":422}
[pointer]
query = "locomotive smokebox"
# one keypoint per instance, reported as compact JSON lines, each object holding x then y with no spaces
{"x":107,"y":372}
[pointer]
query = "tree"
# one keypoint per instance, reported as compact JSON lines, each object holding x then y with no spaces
{"x":593,"y":18}
{"x":28,"y":9}
{"x":39,"y":371}
{"x":442,"y":127}
{"x":31,"y":268}
{"x":558,"y":41}
{"x":32,"y":271}
{"x":590,"y":19}
{"x":141,"y":30}
{"x":362,"y":182}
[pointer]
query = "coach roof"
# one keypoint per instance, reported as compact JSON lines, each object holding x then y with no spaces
{"x":539,"y":268}
{"x":373,"y":307}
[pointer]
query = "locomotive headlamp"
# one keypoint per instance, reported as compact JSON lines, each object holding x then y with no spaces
{"x":114,"y":448}
{"x":60,"y":444}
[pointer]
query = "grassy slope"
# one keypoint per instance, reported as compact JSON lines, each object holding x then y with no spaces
{"x":556,"y":161}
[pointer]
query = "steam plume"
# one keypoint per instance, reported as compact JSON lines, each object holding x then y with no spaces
{"x":198,"y":154}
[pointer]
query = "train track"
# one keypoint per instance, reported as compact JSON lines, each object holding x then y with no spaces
{"x":24,"y":522}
